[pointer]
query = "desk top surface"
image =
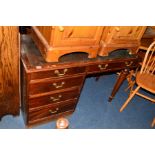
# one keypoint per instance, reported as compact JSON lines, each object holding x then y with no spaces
{"x":31,"y":55}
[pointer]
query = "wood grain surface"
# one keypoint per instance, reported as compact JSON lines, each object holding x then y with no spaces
{"x":9,"y":70}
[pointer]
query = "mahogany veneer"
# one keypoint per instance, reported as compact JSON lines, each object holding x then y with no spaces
{"x":52,"y":89}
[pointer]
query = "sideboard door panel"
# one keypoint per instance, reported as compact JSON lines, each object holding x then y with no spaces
{"x":9,"y":70}
{"x":121,"y":37}
{"x":125,"y":34}
{"x":128,"y":32}
{"x":77,"y":36}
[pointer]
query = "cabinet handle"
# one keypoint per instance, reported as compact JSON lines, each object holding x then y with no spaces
{"x":128,"y":63}
{"x":60,"y":74}
{"x":101,"y":67}
{"x":61,"y":28}
{"x":58,"y":86}
{"x":55,"y":111}
{"x":117,"y":29}
{"x":56,"y":99}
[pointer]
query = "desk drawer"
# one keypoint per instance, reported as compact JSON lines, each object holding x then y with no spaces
{"x":53,"y":85}
{"x":104,"y":67}
{"x":57,"y":73}
{"x":53,"y":98}
{"x":52,"y":110}
{"x":111,"y":66}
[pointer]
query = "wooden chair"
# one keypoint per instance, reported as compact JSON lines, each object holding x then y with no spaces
{"x":145,"y":78}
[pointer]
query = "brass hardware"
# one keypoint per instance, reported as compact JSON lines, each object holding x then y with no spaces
{"x":61,"y":28}
{"x":55,"y":99}
{"x":117,"y":29}
{"x":55,"y":111}
{"x":101,"y":67}
{"x":127,"y":63}
{"x":60,"y":74}
{"x":130,"y":51}
{"x":58,"y":86}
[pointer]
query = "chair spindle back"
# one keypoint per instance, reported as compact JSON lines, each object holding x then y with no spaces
{"x":148,"y":65}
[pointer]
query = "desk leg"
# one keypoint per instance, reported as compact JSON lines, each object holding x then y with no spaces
{"x":118,"y":83}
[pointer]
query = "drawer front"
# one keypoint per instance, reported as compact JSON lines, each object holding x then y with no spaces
{"x":52,"y":85}
{"x":57,"y":73}
{"x":51,"y":110}
{"x":53,"y":98}
{"x":111,"y":66}
{"x":104,"y":67}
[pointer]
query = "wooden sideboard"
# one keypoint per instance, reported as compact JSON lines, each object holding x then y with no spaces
{"x":56,"y":41}
{"x":52,"y":89}
{"x":9,"y":70}
{"x":121,"y":37}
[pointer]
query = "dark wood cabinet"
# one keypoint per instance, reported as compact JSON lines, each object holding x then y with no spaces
{"x":48,"y":90}
{"x":9,"y":70}
{"x":52,"y":89}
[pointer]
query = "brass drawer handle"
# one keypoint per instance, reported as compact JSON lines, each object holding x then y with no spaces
{"x":56,"y":99}
{"x":55,"y":111}
{"x":61,"y":28}
{"x":128,"y":63}
{"x":60,"y":74}
{"x":58,"y":86}
{"x":101,"y":67}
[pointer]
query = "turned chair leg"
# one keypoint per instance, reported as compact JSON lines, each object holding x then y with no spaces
{"x":130,"y":86}
{"x":153,"y":123}
{"x":129,"y":98}
{"x":130,"y":80}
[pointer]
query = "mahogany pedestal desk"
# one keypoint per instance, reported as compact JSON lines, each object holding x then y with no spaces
{"x":51,"y":90}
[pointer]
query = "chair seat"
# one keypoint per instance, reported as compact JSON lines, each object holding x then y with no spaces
{"x":146,"y":81}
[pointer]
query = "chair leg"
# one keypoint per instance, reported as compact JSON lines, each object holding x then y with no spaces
{"x":130,"y":80}
{"x":153,"y":123}
{"x":130,"y":86}
{"x":129,"y":98}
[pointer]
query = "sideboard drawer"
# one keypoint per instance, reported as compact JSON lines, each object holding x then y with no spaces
{"x":52,"y":85}
{"x":53,"y":98}
{"x":52,"y":110}
{"x":57,"y":73}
